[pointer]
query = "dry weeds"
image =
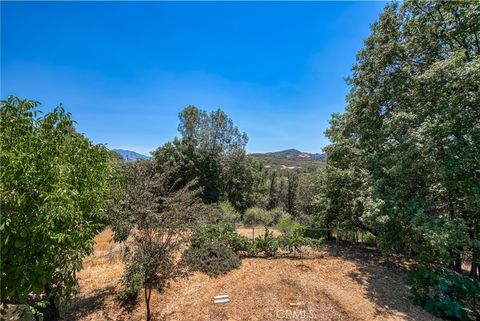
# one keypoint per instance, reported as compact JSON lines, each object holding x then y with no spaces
{"x":357,"y":285}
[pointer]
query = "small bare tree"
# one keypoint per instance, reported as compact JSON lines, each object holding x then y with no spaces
{"x":155,"y":214}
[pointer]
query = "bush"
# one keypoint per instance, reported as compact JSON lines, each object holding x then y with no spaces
{"x":226,"y":234}
{"x":288,"y":226}
{"x":278,"y":214}
{"x":229,"y":213}
{"x":267,"y":244}
{"x":212,"y":232}
{"x":257,"y":216}
{"x":445,"y":294}
{"x":314,"y":233}
{"x":306,"y":219}
{"x":271,"y":246}
{"x":242,"y":244}
{"x":212,"y":257}
{"x":295,"y":241}
{"x":132,"y":281}
{"x":369,"y":239}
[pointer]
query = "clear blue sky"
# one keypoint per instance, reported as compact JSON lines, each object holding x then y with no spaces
{"x":126,"y":69}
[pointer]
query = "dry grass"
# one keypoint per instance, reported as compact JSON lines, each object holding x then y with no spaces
{"x":357,"y":285}
{"x":256,"y":230}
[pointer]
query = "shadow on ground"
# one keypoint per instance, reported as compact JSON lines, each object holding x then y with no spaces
{"x":84,"y":306}
{"x":383,"y":277}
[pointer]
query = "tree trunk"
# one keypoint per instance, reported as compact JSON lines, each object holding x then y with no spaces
{"x":457,"y":265}
{"x":337,"y":235}
{"x":474,"y":270}
{"x":148,"y":292}
{"x":475,"y":267}
{"x":51,"y":312}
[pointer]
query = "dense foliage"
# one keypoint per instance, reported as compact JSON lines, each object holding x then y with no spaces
{"x":212,"y":258}
{"x":54,"y":187}
{"x":257,"y":216}
{"x":403,"y":163}
{"x":228,"y":213}
{"x":445,"y":294}
{"x":223,"y":233}
{"x":211,"y":150}
{"x":156,"y":214}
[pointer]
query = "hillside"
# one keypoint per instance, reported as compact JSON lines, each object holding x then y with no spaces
{"x":130,"y":156}
{"x":291,"y":159}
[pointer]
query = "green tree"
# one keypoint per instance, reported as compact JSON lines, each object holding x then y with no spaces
{"x":412,"y":148}
{"x":419,"y":142}
{"x":240,"y":179}
{"x":411,"y":132}
{"x":213,"y":132}
{"x":273,"y":194}
{"x":211,"y":150}
{"x":54,"y":187}
{"x":156,"y":214}
{"x":291,"y":193}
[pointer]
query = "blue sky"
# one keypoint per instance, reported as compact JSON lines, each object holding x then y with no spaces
{"x":126,"y":69}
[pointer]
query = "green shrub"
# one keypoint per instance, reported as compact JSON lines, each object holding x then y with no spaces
{"x":242,"y":244}
{"x":278,"y":214}
{"x":212,"y":232}
{"x":369,"y":239}
{"x":271,"y":246}
{"x":212,"y":257}
{"x":257,"y":216}
{"x":267,"y":244}
{"x":445,"y":294}
{"x":295,"y":241}
{"x":226,"y":234}
{"x":288,"y":226}
{"x":229,"y":213}
{"x":132,"y":281}
{"x":306,"y":219}
{"x":314,"y":233}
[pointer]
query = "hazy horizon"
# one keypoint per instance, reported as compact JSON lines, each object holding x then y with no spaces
{"x":126,"y":69}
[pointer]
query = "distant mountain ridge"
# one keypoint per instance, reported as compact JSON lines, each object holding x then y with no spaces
{"x":285,"y":159}
{"x":295,"y":153}
{"x":291,"y":159}
{"x":129,"y":156}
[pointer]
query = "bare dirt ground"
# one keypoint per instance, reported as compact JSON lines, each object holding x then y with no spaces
{"x":358,"y":284}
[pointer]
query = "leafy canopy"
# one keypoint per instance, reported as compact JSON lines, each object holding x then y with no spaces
{"x":54,"y":187}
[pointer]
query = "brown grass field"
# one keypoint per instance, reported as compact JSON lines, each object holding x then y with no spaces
{"x":358,"y":284}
